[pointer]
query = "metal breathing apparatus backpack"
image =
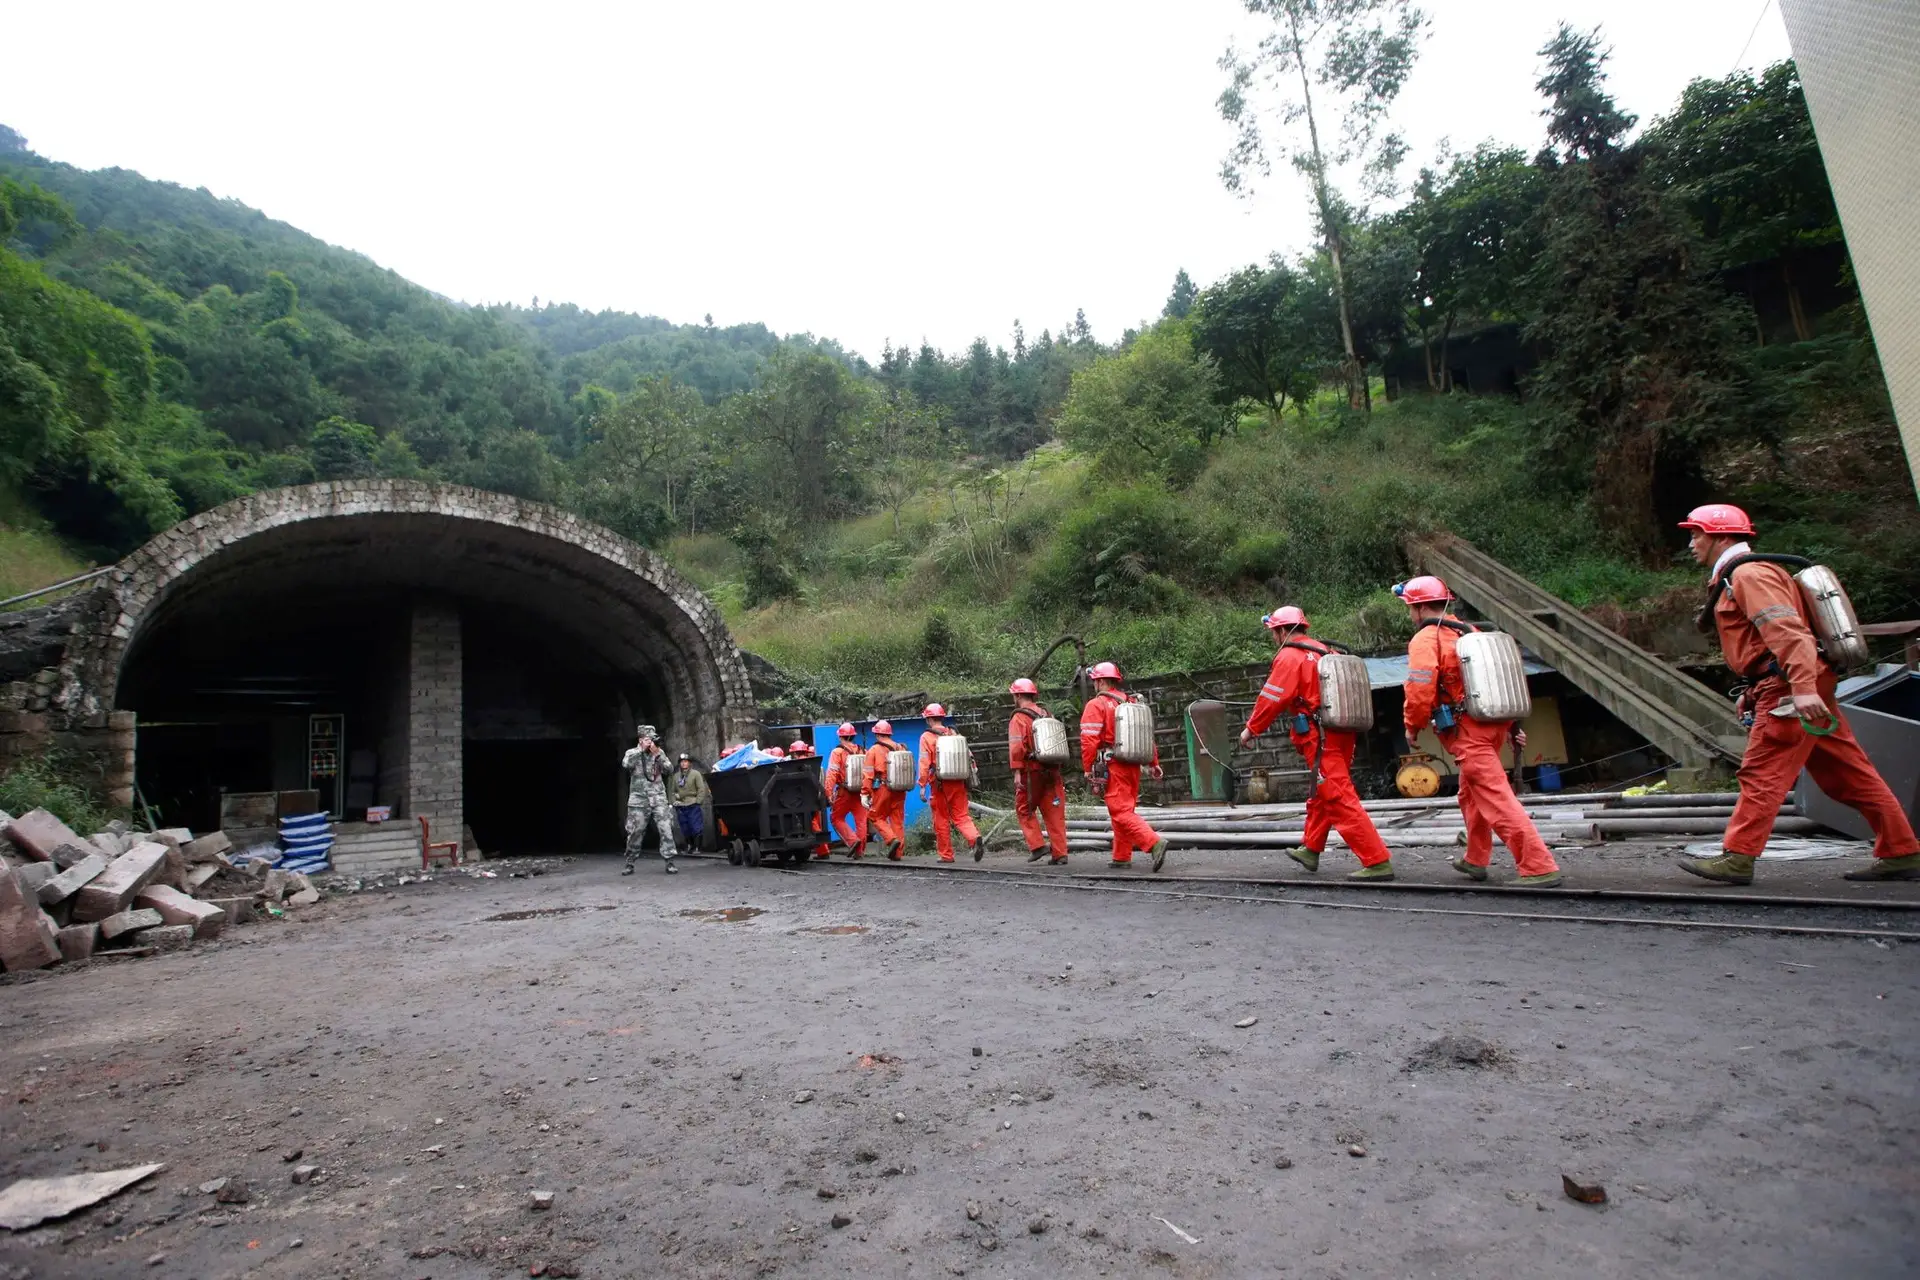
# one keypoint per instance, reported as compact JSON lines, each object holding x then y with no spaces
{"x":1048,"y":742}
{"x":1132,"y":730}
{"x":1835,"y":626}
{"x":899,"y":769}
{"x":1346,"y":689}
{"x":855,"y":769}
{"x":1493,"y":675}
{"x":952,"y":762}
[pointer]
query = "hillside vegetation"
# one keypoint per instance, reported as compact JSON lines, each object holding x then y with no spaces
{"x":1675,"y":306}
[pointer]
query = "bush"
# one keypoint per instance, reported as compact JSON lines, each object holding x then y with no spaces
{"x":60,"y":785}
{"x":1123,"y":550}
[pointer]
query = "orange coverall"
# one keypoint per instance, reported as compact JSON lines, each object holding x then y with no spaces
{"x":1767,"y":639}
{"x":1130,"y":830}
{"x":844,"y":802}
{"x":887,"y":804}
{"x":1487,"y":801}
{"x":948,"y":803}
{"x":1039,"y":792}
{"x":1293,"y":688}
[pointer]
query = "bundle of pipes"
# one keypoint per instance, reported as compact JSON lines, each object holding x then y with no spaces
{"x":1560,"y":818}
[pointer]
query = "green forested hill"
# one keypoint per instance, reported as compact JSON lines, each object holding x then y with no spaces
{"x":1552,"y":355}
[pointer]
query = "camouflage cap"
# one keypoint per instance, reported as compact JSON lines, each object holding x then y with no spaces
{"x":648,"y":731}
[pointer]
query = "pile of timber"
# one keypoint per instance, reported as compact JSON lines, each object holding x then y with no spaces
{"x":125,"y":892}
{"x":1561,"y":818}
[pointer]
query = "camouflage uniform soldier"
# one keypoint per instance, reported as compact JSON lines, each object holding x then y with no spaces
{"x":647,"y":799}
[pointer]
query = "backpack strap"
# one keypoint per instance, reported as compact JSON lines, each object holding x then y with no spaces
{"x":1451,"y":624}
{"x":1703,"y":621}
{"x":1315,"y":647}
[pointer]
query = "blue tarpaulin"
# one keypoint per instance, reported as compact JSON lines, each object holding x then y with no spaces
{"x":743,"y":758}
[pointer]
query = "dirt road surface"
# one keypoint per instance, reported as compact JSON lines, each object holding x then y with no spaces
{"x":894,"y":1075}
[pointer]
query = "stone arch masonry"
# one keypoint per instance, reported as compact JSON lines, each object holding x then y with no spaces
{"x":65,"y":660}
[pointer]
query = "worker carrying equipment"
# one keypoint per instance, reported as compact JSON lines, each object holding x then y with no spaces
{"x":1436,"y":693}
{"x":1117,"y":781}
{"x":846,"y":816}
{"x":1039,"y":792}
{"x":946,"y":767}
{"x":1769,"y":638}
{"x":1293,"y":690}
{"x":885,"y":803}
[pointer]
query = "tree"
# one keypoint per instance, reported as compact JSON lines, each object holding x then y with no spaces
{"x":343,"y":450}
{"x":1740,"y":156}
{"x":797,"y":434}
{"x":1181,"y":300}
{"x":1259,"y":335}
{"x":1153,"y":407}
{"x":1359,"y":53}
{"x":1636,"y":333}
{"x":1467,"y":235}
{"x":902,"y":452}
{"x":640,"y":460}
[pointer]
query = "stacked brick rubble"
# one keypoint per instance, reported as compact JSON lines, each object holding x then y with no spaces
{"x":62,"y":896}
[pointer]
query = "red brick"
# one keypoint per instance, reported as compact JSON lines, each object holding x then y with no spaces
{"x":77,"y":941}
{"x":131,"y":921}
{"x":176,"y":907}
{"x":39,"y":833}
{"x":28,"y":939}
{"x":113,"y":889}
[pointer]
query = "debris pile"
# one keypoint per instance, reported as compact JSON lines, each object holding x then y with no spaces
{"x":125,"y":892}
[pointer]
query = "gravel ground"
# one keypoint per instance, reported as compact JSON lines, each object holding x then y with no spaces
{"x":969,"y":1078}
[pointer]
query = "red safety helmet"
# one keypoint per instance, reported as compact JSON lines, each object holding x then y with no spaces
{"x":1425,"y":589}
{"x":847,"y":730}
{"x":1105,"y":671}
{"x":1285,"y":616}
{"x":1023,"y":685}
{"x":801,"y":747}
{"x":934,"y":709}
{"x":1720,"y":520}
{"x":884,"y":728}
{"x":776,"y":753}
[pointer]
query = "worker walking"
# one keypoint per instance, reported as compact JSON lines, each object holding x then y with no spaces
{"x":844,"y":801}
{"x":1039,"y":792}
{"x":647,"y":799}
{"x":803,"y":749}
{"x":884,"y":805}
{"x":946,"y":797}
{"x":1767,"y":639}
{"x":689,"y":795}
{"x":1436,"y":692}
{"x":1117,"y":782}
{"x":1333,"y":803}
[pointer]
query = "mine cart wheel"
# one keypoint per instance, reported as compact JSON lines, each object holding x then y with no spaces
{"x":733,"y":853}
{"x":753,"y":853}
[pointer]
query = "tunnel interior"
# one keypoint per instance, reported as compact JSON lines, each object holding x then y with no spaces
{"x":542,"y":665}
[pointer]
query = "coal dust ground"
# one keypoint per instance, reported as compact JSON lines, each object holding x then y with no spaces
{"x":892,"y":1075}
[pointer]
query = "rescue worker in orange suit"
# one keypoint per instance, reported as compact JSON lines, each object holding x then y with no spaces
{"x":946,"y":798}
{"x":1436,"y":693}
{"x":1768,"y":640}
{"x":1039,"y":792}
{"x":1120,"y":789}
{"x":847,"y":817}
{"x":801,"y":749}
{"x":1333,"y":804}
{"x":884,"y":805}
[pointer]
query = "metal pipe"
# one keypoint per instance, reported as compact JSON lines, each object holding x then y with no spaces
{"x":69,"y":582}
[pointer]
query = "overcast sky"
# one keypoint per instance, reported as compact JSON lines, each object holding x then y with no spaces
{"x":859,"y":169}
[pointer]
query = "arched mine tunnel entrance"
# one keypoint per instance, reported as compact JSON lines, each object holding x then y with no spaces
{"x":439,"y":650}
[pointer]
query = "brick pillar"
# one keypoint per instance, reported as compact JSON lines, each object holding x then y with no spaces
{"x":435,"y":719}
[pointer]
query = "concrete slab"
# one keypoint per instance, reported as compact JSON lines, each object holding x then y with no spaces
{"x":28,"y":939}
{"x":75,"y":878}
{"x":38,"y":833}
{"x":111,"y":891}
{"x":176,"y":907}
{"x":122,"y":923}
{"x":204,"y":849}
{"x":168,"y":937}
